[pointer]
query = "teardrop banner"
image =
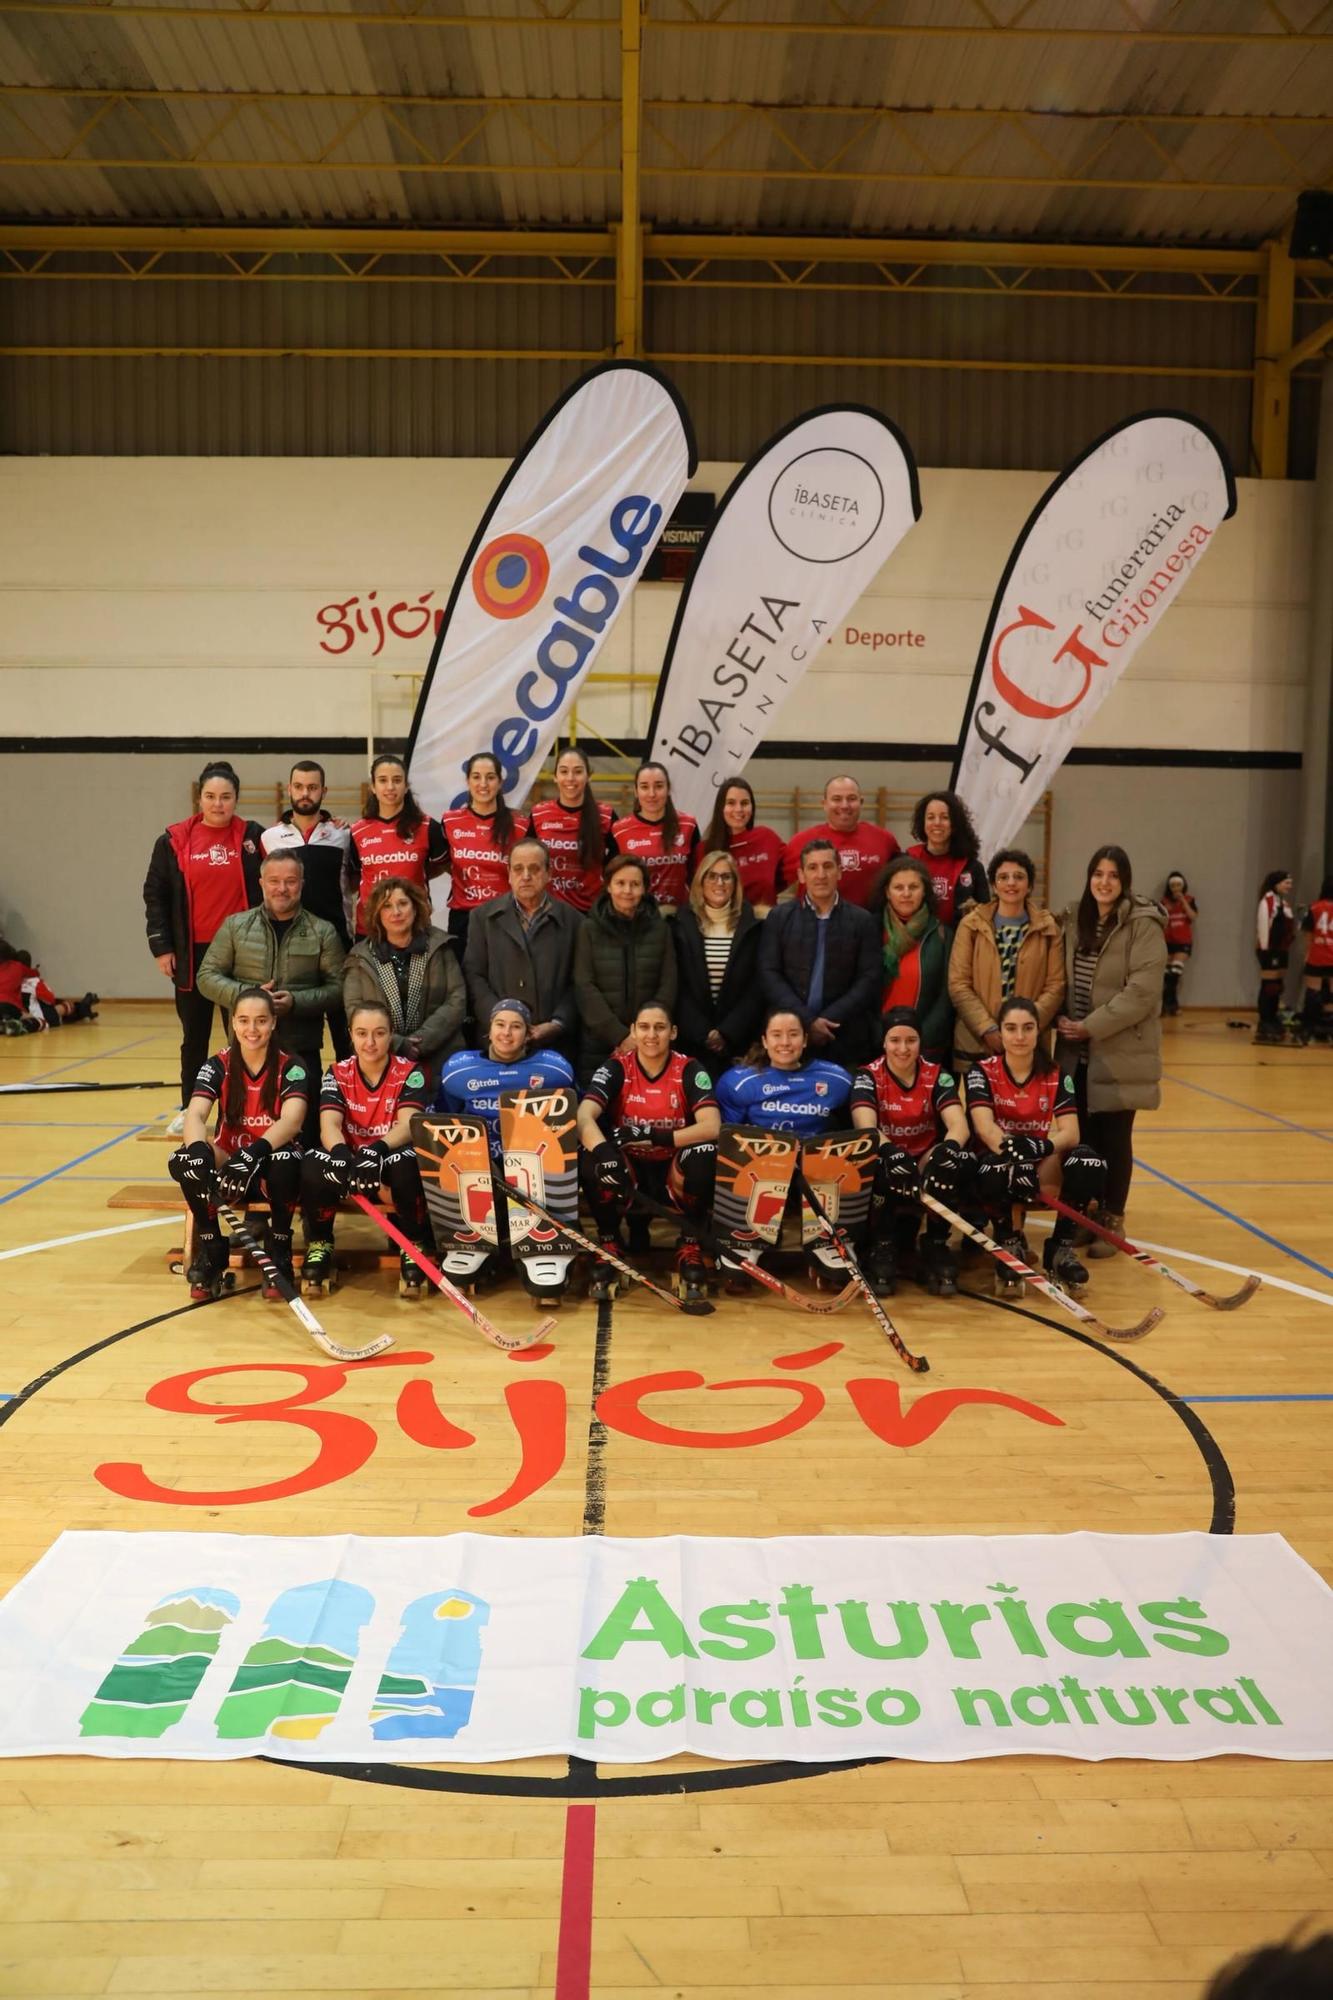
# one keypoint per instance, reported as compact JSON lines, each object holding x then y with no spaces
{"x":801,"y":532}
{"x":547,"y":574}
{"x":1103,"y":557}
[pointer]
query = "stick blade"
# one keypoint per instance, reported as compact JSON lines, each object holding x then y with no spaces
{"x":341,"y":1353}
{"x":510,"y":1343}
{"x":697,"y":1308}
{"x":1233,"y":1299}
{"x":1137,"y":1332}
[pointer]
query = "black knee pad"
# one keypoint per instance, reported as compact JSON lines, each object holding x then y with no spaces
{"x":1083,"y":1176}
{"x":694,"y":1169}
{"x":283,"y":1177}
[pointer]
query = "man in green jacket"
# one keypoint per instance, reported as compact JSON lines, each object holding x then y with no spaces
{"x":296,"y":957}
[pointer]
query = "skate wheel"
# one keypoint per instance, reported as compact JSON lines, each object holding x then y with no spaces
{"x":229,"y":1281}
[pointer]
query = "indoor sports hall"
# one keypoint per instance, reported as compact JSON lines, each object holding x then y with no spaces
{"x":666,"y":972}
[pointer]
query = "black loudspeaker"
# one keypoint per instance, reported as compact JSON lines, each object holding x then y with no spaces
{"x":1312,"y":225}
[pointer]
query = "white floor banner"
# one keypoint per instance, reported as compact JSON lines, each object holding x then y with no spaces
{"x":477,"y":1648}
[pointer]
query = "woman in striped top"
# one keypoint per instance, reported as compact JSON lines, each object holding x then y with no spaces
{"x":717,"y":956}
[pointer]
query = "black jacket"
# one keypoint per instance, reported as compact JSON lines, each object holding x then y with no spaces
{"x":618,"y":964}
{"x":505,"y":962}
{"x":738,"y":1009}
{"x":852,"y":972}
{"x":165,"y":904}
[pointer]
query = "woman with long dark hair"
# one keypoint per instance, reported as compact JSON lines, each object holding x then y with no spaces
{"x":260,"y":1095}
{"x":203,"y":870}
{"x":393,"y":837}
{"x":1110,"y":1037}
{"x":946,"y":840}
{"x":717,"y":956}
{"x":409,"y":963}
{"x":477,"y":838}
{"x":666,"y":841}
{"x":915,"y":949}
{"x":915,"y":1106}
{"x":1318,"y":927}
{"x":1275,"y":928}
{"x":624,"y":955}
{"x":756,"y":850}
{"x":576,"y":829}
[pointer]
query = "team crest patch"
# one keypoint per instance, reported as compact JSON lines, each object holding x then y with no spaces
{"x":821,"y":1090}
{"x":295,"y":1074}
{"x":416,"y":1081}
{"x":704,"y":1081}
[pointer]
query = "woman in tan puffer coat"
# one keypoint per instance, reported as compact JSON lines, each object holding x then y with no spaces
{"x":1110,"y":1039}
{"x":1001,"y":949}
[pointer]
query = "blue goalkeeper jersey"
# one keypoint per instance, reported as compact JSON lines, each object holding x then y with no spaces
{"x":473,"y":1081}
{"x":804,"y":1101}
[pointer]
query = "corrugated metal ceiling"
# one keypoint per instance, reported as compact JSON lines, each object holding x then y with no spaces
{"x":1026,"y":134}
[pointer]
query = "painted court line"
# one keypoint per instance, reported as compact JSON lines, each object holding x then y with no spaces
{"x":1253,"y":1228}
{"x":573,"y":1963}
{"x":1175,"y":1255}
{"x":103,"y":1055}
{"x":1257,"y":1399}
{"x":88,"y":1236}
{"x":1310,"y":1131}
{"x":56,"y":1172}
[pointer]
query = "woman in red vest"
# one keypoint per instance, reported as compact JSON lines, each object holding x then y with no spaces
{"x":395,"y":839}
{"x":576,"y":828}
{"x":203,"y":870}
{"x":667,"y":842}
{"x":477,"y":840}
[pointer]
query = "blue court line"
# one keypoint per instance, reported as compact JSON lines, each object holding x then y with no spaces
{"x":1257,"y":1399}
{"x":92,"y":1152}
{"x":63,"y":1124}
{"x":1310,"y":1131}
{"x":103,"y":1055}
{"x":1182,"y":1187}
{"x":87,"y":1179}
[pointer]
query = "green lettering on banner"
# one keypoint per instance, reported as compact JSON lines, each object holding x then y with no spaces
{"x":641,"y":1597}
{"x":663,"y":1705}
{"x":910,"y":1643}
{"x":967,"y":1699}
{"x":1038,"y":1705}
{"x":1185,"y":1633}
{"x":767,"y":1715}
{"x":1223,"y":1704}
{"x":733,"y":1640}
{"x":601,"y":1710}
{"x":1062,"y":1622}
{"x":909,"y":1708}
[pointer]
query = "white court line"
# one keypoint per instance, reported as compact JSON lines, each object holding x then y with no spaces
{"x":87,"y":1236}
{"x":1216,"y":1264}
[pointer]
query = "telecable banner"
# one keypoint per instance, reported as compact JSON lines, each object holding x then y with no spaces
{"x":547,"y":574}
{"x":476,"y":1648}
{"x":800,"y":533}
{"x":1103,"y":557}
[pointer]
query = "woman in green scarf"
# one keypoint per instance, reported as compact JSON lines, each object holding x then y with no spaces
{"x":916,"y":950}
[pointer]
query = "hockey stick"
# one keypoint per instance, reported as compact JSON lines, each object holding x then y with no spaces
{"x":696,"y":1308}
{"x":1039,"y":1280}
{"x":736,"y":1259}
{"x":49,"y":1089}
{"x":511,"y":1343}
{"x":916,"y":1362}
{"x":1226,"y":1305}
{"x":291,"y":1297}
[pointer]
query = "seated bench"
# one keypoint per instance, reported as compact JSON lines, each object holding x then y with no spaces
{"x":163,"y":1197}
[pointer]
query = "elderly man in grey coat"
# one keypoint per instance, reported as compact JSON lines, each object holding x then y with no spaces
{"x":521,"y":946}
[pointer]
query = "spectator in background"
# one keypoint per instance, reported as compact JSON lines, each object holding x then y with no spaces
{"x":915,"y":952}
{"x":1007,"y":948}
{"x":409,"y":965}
{"x":945,"y":839}
{"x":295,"y":958}
{"x":27,"y":1004}
{"x":819,"y":959}
{"x":862,"y":848}
{"x":576,"y":830}
{"x":522,"y":946}
{"x":1275,"y":927}
{"x":478,"y":838}
{"x":1182,"y":913}
{"x":667,"y":842}
{"x":623,"y":956}
{"x":717,"y":957}
{"x":203,"y":870}
{"x":1317,"y":923}
{"x":756,"y":850}
{"x":322,"y":843}
{"x":396,"y":838}
{"x":1110,"y":1039}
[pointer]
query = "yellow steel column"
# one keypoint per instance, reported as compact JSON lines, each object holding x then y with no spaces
{"x":1270,"y":410}
{"x":629,"y":234}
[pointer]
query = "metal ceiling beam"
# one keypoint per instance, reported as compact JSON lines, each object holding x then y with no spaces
{"x":629,"y":235}
{"x":297,"y":241}
{"x":1270,"y":402}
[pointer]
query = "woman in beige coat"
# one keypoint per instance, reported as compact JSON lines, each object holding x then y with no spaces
{"x":1009,"y":946}
{"x":1110,"y":1040}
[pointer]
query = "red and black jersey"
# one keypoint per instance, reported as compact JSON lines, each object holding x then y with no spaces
{"x":294,"y":1081}
{"x":1180,"y":914}
{"x":377,"y":849}
{"x":954,"y":879}
{"x":559,"y":827}
{"x":757,"y":854}
{"x":1030,"y":1107}
{"x":670,"y":872}
{"x":1318,"y":922}
{"x":369,"y":1110}
{"x":478,"y":869}
{"x":911,"y":1116}
{"x":623,"y":1088}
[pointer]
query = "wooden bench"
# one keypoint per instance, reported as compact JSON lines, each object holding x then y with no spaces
{"x":162,"y":1197}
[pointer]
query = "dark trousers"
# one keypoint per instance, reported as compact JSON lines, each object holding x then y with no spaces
{"x":1112,"y":1133}
{"x":195,"y":1014}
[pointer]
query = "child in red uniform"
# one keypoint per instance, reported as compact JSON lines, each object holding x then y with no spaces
{"x":261,"y":1095}
{"x":1182,"y":913}
{"x":1025,"y":1124}
{"x":756,"y":850}
{"x":650,"y":1119}
{"x":477,"y":840}
{"x":1317,"y":924}
{"x":395,"y":839}
{"x":365,"y":1131}
{"x":915,"y":1107}
{"x":666,"y":841}
{"x":27,"y":1004}
{"x":576,"y":828}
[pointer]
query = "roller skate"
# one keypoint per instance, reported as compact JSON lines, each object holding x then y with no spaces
{"x":1008,"y":1284}
{"x":209,"y":1275}
{"x":1061,"y":1263}
{"x":691,"y":1272}
{"x":603,"y":1278}
{"x":318,"y":1272}
{"x":411,"y":1277}
{"x":544,"y":1278}
{"x":939,"y":1267}
{"x":279,"y":1249}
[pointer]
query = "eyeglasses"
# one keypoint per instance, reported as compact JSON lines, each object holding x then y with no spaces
{"x":719,"y":875}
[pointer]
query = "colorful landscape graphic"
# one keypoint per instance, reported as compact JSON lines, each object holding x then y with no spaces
{"x":291,"y":1681}
{"x":430,"y":1677}
{"x":150,"y":1686}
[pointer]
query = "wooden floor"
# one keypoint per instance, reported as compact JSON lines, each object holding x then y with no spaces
{"x":901,"y":1881}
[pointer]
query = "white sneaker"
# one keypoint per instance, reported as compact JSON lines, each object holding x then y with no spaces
{"x":177,"y":1126}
